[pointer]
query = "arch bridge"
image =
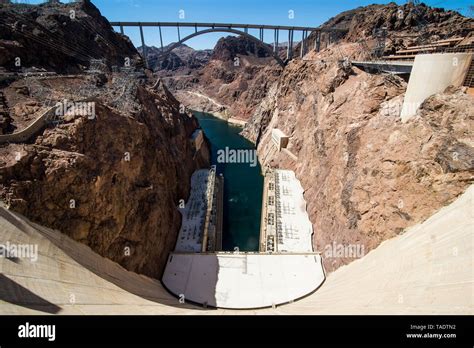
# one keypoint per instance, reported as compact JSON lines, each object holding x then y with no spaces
{"x":239,"y":29}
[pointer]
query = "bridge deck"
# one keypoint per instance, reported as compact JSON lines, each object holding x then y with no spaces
{"x":215,"y":25}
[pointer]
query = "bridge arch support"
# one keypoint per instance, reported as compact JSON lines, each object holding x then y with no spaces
{"x":253,"y":39}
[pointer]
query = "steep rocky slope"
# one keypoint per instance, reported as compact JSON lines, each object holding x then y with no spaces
{"x":367,"y":176}
{"x":232,"y":83}
{"x":230,"y":47}
{"x":112,"y":182}
{"x":227,"y":90}
{"x":182,"y":59}
{"x":401,"y":20}
{"x":67,"y":35}
{"x":5,"y":119}
{"x":405,"y":25}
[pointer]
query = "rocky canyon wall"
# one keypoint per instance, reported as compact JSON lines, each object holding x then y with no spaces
{"x":231,"y":84}
{"x":59,"y":37}
{"x":113,"y":182}
{"x":367,"y":175}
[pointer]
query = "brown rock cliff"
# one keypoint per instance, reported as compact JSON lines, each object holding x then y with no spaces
{"x":367,"y":176}
{"x":125,"y":173}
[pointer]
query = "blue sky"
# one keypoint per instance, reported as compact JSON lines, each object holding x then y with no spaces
{"x":306,"y":13}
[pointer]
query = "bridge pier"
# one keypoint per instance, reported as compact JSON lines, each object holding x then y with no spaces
{"x":289,"y":52}
{"x":121,"y":30}
{"x":306,"y":42}
{"x":303,"y":44}
{"x":179,"y":34}
{"x":275,"y":41}
{"x":144,"y":50}
{"x":161,"y":38}
{"x":317,"y":42}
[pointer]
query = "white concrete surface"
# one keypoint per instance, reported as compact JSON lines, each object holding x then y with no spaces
{"x":426,"y":270}
{"x":431,"y":74}
{"x":190,"y":235}
{"x":68,"y":278}
{"x":285,"y":225}
{"x":241,"y":281}
{"x":279,"y":139}
{"x":247,"y":280}
{"x":294,"y":228}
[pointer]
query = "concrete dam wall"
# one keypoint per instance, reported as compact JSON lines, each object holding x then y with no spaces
{"x":426,"y":270}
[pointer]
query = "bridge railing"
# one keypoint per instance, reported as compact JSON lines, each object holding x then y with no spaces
{"x":215,"y":25}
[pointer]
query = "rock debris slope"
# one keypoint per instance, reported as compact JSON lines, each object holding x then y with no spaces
{"x":67,"y":35}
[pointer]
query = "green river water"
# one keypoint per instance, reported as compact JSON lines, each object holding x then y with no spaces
{"x":243,"y":185}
